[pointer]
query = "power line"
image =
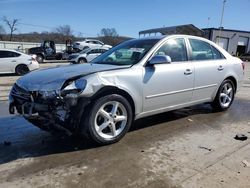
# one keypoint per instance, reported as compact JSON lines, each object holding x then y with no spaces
{"x":49,"y":27}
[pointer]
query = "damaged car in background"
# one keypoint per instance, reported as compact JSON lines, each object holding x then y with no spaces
{"x":135,"y":79}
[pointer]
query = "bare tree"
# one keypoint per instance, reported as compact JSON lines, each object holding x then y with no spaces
{"x":2,"y":32}
{"x":11,"y":24}
{"x":65,"y":31}
{"x":109,"y":32}
{"x":109,"y":36}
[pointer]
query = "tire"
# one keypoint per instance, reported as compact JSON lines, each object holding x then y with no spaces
{"x":114,"y":124}
{"x":82,"y":60}
{"x":58,"y":56}
{"x":22,"y":69}
{"x":39,"y":58}
{"x":225,"y":96}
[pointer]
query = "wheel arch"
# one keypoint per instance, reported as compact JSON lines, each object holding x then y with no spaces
{"x":41,"y":54}
{"x":114,"y":90}
{"x":20,"y":65}
{"x":82,"y":58}
{"x":232,"y":78}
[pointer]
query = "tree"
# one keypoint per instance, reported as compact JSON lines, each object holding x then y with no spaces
{"x":11,"y":24}
{"x":109,"y":36}
{"x":109,"y":32}
{"x":2,"y":32}
{"x":65,"y":31}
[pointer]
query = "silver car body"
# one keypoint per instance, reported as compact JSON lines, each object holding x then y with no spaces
{"x":154,"y":89}
{"x":90,"y":43}
{"x":87,"y":54}
{"x":166,"y":86}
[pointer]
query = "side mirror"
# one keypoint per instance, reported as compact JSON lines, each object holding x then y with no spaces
{"x":160,"y":59}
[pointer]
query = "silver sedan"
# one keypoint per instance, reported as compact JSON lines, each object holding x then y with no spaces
{"x":137,"y":78}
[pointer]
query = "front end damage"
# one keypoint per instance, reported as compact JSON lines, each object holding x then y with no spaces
{"x":51,"y":113}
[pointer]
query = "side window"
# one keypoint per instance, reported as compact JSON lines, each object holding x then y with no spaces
{"x":8,"y":54}
{"x":217,"y":54}
{"x":201,"y":50}
{"x":174,"y":48}
{"x":14,"y":54}
{"x":99,"y":42}
{"x":94,"y":51}
{"x":2,"y":54}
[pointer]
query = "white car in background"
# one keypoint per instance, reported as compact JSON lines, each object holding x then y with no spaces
{"x":90,"y":43}
{"x":12,"y":61}
{"x":86,"y":55}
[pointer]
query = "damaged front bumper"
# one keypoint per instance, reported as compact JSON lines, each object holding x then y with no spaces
{"x":54,"y":114}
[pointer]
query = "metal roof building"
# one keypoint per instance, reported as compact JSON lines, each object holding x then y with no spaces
{"x":188,"y":29}
{"x":236,"y":42}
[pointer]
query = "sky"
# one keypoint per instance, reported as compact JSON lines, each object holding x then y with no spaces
{"x":128,"y":17}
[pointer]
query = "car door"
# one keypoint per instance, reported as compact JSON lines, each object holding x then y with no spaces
{"x":8,"y":61}
{"x":210,"y":67}
{"x":2,"y":61}
{"x":168,"y":86}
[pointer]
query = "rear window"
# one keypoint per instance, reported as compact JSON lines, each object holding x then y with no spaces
{"x":204,"y":51}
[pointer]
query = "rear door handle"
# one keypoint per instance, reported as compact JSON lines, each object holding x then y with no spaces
{"x":220,"y":68}
{"x":188,"y":72}
{"x":13,"y":61}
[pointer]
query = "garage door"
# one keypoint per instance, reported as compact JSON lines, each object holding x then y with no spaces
{"x":243,"y":41}
{"x":223,"y":42}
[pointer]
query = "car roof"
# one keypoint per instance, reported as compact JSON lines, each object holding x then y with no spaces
{"x":4,"y":49}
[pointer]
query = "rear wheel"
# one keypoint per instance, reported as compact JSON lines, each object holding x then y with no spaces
{"x":225,"y":96}
{"x":22,"y":69}
{"x":39,"y":58}
{"x":82,"y":60}
{"x":108,"y":120}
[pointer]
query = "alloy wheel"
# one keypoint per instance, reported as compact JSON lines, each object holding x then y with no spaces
{"x":226,"y":95}
{"x":110,"y":120}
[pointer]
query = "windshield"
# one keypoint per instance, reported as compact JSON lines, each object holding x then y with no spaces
{"x":126,"y":53}
{"x":85,"y":51}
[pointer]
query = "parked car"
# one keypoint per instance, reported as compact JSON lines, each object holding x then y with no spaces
{"x":12,"y":61}
{"x":89,"y":43}
{"x":86,"y":55}
{"x":245,"y":57}
{"x":101,"y":99}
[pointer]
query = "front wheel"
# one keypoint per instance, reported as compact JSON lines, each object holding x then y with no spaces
{"x":225,"y":96}
{"x":108,"y":120}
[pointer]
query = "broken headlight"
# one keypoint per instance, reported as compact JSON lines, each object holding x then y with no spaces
{"x":48,"y":94}
{"x":74,"y":87}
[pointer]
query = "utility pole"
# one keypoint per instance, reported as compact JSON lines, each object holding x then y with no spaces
{"x":221,"y":20}
{"x":208,"y":22}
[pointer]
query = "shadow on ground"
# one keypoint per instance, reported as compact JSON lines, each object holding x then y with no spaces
{"x":20,"y":139}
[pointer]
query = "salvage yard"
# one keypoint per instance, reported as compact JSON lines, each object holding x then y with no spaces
{"x":191,"y":147}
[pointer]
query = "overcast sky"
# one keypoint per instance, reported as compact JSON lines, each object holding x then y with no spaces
{"x":128,"y":17}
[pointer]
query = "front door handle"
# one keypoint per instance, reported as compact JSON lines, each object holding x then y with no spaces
{"x":188,"y":72}
{"x":13,"y":61}
{"x":220,"y":68}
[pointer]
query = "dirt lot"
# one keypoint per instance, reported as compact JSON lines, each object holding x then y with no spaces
{"x":191,"y":147}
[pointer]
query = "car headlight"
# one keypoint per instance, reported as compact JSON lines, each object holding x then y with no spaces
{"x":74,"y":87}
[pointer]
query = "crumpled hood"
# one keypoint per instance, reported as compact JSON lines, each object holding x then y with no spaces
{"x":54,"y":78}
